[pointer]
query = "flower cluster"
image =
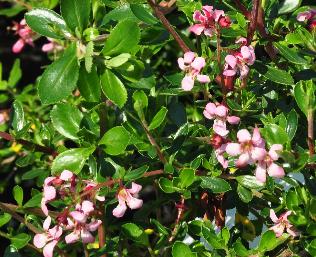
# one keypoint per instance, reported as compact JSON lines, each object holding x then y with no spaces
{"x":239,"y":61}
{"x":26,"y":36}
{"x":309,"y":17}
{"x":251,"y":150}
{"x":282,"y":224}
{"x":192,"y":65}
{"x":207,"y":19}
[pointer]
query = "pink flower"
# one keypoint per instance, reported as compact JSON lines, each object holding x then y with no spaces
{"x":239,"y":61}
{"x":250,"y":148}
{"x":49,"y":239}
{"x":90,"y":185}
{"x":281,"y":224}
{"x":306,"y":16}
{"x":219,"y":144}
{"x":2,"y":118}
{"x":82,"y":211}
{"x":207,"y":19}
{"x":267,"y":165}
{"x":26,"y":36}
{"x":126,"y":197}
{"x":50,"y":184}
{"x":51,"y":46}
{"x":219,"y":113}
{"x":192,"y":66}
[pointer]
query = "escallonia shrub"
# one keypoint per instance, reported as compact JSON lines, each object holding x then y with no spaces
{"x":161,"y":128}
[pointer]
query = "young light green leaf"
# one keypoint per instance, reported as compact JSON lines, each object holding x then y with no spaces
{"x":47,"y":23}
{"x":15,"y":74}
{"x":275,"y":134}
{"x":20,"y":240}
{"x":186,"y":177}
{"x":115,"y":140}
{"x":123,"y":38}
{"x":18,"y":116}
{"x":66,"y":120}
{"x":4,"y":219}
{"x":60,"y":78}
{"x":158,"y":119}
{"x":180,"y":249}
{"x":18,"y":194}
{"x":113,"y":88}
{"x":76,"y":13}
{"x":140,"y":103}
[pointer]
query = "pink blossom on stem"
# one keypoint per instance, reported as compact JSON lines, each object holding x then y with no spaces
{"x":126,"y":198}
{"x":239,"y":61}
{"x":249,"y":148}
{"x":49,"y":239}
{"x":267,"y":165}
{"x":192,"y":65}
{"x":282,"y":224}
{"x":26,"y":36}
{"x":308,"y":16}
{"x":219,"y":113}
{"x":51,"y":46}
{"x":219,"y":144}
{"x":207,"y":19}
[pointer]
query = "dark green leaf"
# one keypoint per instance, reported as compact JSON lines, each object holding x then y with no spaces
{"x":35,"y":201}
{"x":187,"y":177}
{"x":166,"y":185}
{"x":140,"y":103}
{"x":143,"y":14}
{"x":217,"y":185}
{"x":15,"y":74}
{"x":11,"y":251}
{"x":304,"y":93}
{"x":89,"y":84}
{"x":276,"y":75}
{"x":115,"y":140}
{"x":158,"y":119}
{"x":291,"y":126}
{"x":136,"y":174}
{"x":290,"y":54}
{"x":135,"y":233}
{"x":244,"y":194}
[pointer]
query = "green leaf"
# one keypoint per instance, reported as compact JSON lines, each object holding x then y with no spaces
{"x":15,"y":73}
{"x":187,"y":177}
{"x":66,"y":120}
{"x":140,"y":103}
{"x":240,"y":249}
{"x":136,"y":174}
{"x":35,"y":201}
{"x":117,"y":61}
{"x":274,"y":134}
{"x":244,"y":194}
{"x":115,"y":140}
{"x":47,"y":23}
{"x":113,"y":88}
{"x":4,"y":219}
{"x":18,"y":116}
{"x":72,"y":159}
{"x":288,"y":6}
{"x":304,"y":93}
{"x":20,"y":240}
{"x":123,"y":38}
{"x":158,"y":119}
{"x":292,"y":200}
{"x":143,"y":14}
{"x":269,"y":241}
{"x":180,"y":249}
{"x":217,"y":185}
{"x":274,"y":74}
{"x":290,"y":54}
{"x":212,"y":238}
{"x":76,"y":13}
{"x":34,"y":173}
{"x":166,"y":185}
{"x":60,"y":78}
{"x":18,"y":194}
{"x":88,"y":56}
{"x":134,"y":232}
{"x":89,"y":84}
{"x":291,"y":125}
{"x":249,"y":182}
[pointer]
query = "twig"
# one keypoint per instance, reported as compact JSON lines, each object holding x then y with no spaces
{"x":168,"y":26}
{"x":181,"y":208}
{"x":39,"y":148}
{"x":253,"y":21}
{"x":310,"y":131}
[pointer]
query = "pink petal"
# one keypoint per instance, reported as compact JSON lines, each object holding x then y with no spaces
{"x":134,"y":203}
{"x":257,"y":140}
{"x":285,"y":215}
{"x":244,"y":50}
{"x":66,"y":175}
{"x":258,"y":154}
{"x":231,"y":61}
{"x":276,"y":171}
{"x":303,"y":16}
{"x":44,"y":207}
{"x":233,"y":149}
{"x":87,"y":207}
{"x":94,"y":225}
{"x":273,"y":216}
{"x":233,"y":119}
{"x":189,"y":57}
{"x":208,"y":8}
{"x":229,"y":73}
{"x":18,"y":46}
{"x":291,"y":232}
{"x":274,"y":151}
{"x":278,"y":229}
{"x":243,"y":135}
{"x":203,"y":78}
{"x":221,"y":111}
{"x":219,"y":127}
{"x":120,"y":210}
{"x":47,"y":223}
{"x":197,"y":29}
{"x":244,"y":70}
{"x":55,"y":232}
{"x":135,"y":188}
{"x":197,"y":16}
{"x":72,"y":237}
{"x":220,"y":157}
{"x":78,"y":216}
{"x":48,"y":47}
{"x":198,"y":63}
{"x":261,"y":173}
{"x":243,"y":160}
{"x":48,"y":180}
{"x":187,"y":83}
{"x":87,"y":237}
{"x":209,"y":32}
{"x":181,"y":63}
{"x":40,"y":240}
{"x":210,"y":108}
{"x":49,"y":193}
{"x":241,"y":40}
{"x":48,"y":250}
{"x":217,"y":14}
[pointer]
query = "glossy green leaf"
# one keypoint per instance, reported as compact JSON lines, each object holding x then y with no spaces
{"x":20,"y":240}
{"x":4,"y":219}
{"x":274,"y":134}
{"x":47,"y":23}
{"x":136,"y":174}
{"x":60,"y":78}
{"x":158,"y":118}
{"x":180,"y":249}
{"x":113,"y":88}
{"x":18,"y":116}
{"x":274,"y":74}
{"x":290,"y":54}
{"x":291,"y":125}
{"x":268,"y":241}
{"x":18,"y":194}
{"x":249,"y":182}
{"x":72,"y":159}
{"x":115,"y":140}
{"x":117,"y":61}
{"x":287,"y":6}
{"x":66,"y":120}
{"x":304,"y":93}
{"x":35,"y":201}
{"x":187,"y":177}
{"x":166,"y":185}
{"x":76,"y":13}
{"x":135,"y":233}
{"x":123,"y":38}
{"x":217,"y":185}
{"x":89,"y":84}
{"x":143,"y":14}
{"x":140,"y":103}
{"x":244,"y":194}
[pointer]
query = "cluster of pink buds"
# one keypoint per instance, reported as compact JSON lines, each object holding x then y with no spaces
{"x":251,"y":150}
{"x":26,"y":36}
{"x":207,"y":19}
{"x":309,"y":17}
{"x":51,"y":46}
{"x":282,"y":224}
{"x":239,"y":61}
{"x":192,"y":65}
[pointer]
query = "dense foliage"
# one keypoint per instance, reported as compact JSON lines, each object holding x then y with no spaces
{"x":161,"y":128}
